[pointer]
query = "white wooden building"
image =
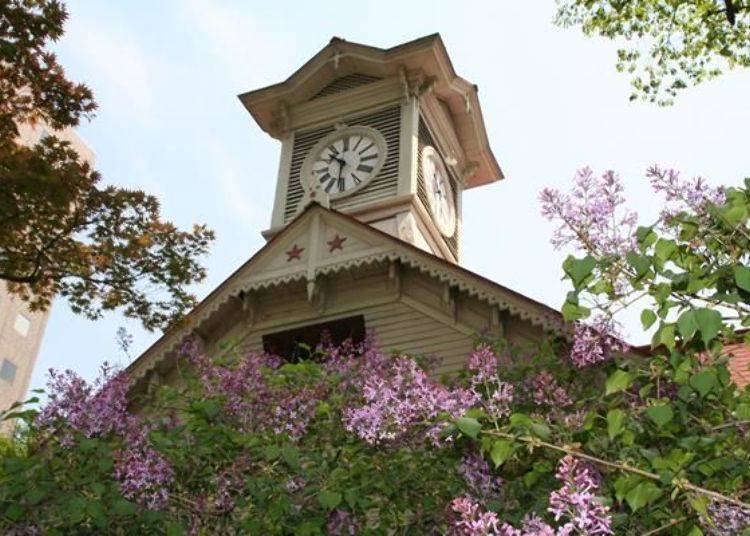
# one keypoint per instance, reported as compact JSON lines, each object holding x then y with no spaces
{"x":377,"y":147}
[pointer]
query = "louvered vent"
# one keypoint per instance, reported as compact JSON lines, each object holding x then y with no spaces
{"x":388,"y":123}
{"x":346,"y":83}
{"x":425,"y":139}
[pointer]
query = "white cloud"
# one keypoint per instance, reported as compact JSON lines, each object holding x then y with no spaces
{"x":111,"y":59}
{"x":235,"y":37}
{"x":234,"y":187}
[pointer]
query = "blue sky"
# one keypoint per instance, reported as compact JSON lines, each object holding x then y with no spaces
{"x":166,"y":75}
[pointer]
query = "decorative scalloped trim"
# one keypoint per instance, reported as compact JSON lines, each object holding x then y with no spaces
{"x":548,"y":322}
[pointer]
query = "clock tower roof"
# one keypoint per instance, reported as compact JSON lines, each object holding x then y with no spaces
{"x":422,"y":65}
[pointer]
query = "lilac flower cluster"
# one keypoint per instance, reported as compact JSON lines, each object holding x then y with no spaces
{"x":727,"y":519}
{"x":592,"y":216}
{"x":100,"y":410}
{"x":545,"y":391}
{"x":483,"y":364}
{"x":400,"y":397}
{"x":596,"y":341}
{"x":692,"y":195}
{"x":95,"y":409}
{"x":576,"y":501}
{"x":144,"y":475}
{"x":249,"y":399}
{"x":473,"y":520}
{"x":480,"y":481}
{"x":341,"y":523}
{"x":492,"y":393}
{"x":228,"y":483}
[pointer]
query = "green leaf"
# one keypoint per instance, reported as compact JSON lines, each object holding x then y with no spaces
{"x":579,"y":269}
{"x":290,"y":455}
{"x":664,"y":249}
{"x":640,"y":263}
{"x":664,"y":335}
{"x":615,"y":422}
{"x":648,"y":317}
{"x":469,"y":426}
{"x":742,"y":411}
{"x":501,"y":450}
{"x":735,"y":214}
{"x":541,"y":430}
{"x":660,"y":415}
{"x":272,"y":452}
{"x":641,"y":495}
{"x":709,"y":324}
{"x":329,"y":499}
{"x":14,"y":512}
{"x":618,"y":381}
{"x":687,"y":325}
{"x":742,"y":277}
{"x":645,"y":236}
{"x":572,"y":312}
{"x":699,"y":504}
{"x":173,"y":528}
{"x":34,"y":496}
{"x":124,"y":508}
{"x":703,"y":382}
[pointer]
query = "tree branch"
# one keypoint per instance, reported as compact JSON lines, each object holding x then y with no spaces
{"x":677,"y":483}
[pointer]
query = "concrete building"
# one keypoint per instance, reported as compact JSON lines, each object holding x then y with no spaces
{"x":21,"y":331}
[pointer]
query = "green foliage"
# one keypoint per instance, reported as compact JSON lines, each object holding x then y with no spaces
{"x":285,"y":485}
{"x":666,"y":45}
{"x":61,"y":233}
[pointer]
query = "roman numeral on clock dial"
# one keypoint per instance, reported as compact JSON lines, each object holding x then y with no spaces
{"x":346,"y":162}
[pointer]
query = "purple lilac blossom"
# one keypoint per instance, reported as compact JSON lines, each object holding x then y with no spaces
{"x":727,"y":519}
{"x":144,"y":476}
{"x":400,"y":398}
{"x":495,"y":395}
{"x":482,"y":484}
{"x":545,"y":391}
{"x":683,"y":195}
{"x":341,"y":523}
{"x":596,"y":341}
{"x":576,"y":502}
{"x":473,"y":520}
{"x":95,"y":409}
{"x":592,"y":216}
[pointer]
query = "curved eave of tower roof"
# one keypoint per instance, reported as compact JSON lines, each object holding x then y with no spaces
{"x":341,"y":57}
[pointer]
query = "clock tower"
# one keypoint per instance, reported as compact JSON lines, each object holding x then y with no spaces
{"x":377,"y":148}
{"x":391,"y":137}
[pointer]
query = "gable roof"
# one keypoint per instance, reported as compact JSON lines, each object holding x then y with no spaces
{"x":339,"y":58}
{"x":272,"y":266}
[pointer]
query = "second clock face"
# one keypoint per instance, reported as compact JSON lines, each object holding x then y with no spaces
{"x":345,"y":161}
{"x":439,"y":191}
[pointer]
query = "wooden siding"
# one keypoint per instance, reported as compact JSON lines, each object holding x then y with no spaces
{"x":345,"y":83}
{"x":412,"y":320}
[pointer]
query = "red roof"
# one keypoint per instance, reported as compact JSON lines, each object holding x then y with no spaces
{"x":739,"y":365}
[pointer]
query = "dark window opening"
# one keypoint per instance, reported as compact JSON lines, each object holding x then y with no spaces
{"x":298,"y":344}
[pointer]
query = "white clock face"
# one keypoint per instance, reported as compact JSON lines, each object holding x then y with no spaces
{"x":345,"y":161}
{"x":439,"y":191}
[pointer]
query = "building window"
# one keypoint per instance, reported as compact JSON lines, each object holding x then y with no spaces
{"x":22,"y":325}
{"x":297,"y":344}
{"x":8,"y":371}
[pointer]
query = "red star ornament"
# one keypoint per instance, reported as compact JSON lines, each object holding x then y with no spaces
{"x":337,"y":242}
{"x":294,"y":253}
